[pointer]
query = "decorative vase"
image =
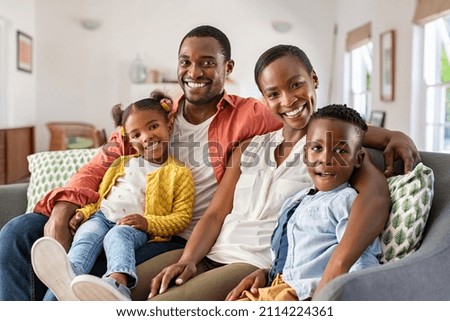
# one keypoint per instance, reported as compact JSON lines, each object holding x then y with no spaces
{"x":138,"y":72}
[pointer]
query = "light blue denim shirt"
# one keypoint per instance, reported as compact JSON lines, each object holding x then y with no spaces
{"x":279,"y":240}
{"x":313,"y":232}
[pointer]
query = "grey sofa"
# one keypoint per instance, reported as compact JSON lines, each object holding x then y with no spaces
{"x":421,"y":276}
{"x":13,"y":201}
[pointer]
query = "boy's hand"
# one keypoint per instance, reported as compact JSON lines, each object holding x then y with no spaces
{"x":251,"y":282}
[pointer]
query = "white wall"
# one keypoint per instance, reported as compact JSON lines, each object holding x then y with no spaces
{"x":384,"y":15}
{"x":20,"y":86}
{"x":79,"y":74}
{"x":82,"y":74}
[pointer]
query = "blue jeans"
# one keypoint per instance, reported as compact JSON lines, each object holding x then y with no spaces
{"x":17,"y":279}
{"x":119,"y":243}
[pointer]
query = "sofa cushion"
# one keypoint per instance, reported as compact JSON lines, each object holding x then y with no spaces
{"x":411,"y":196}
{"x":53,"y":169}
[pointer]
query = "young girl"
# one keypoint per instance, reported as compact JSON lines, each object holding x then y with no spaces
{"x":144,"y":197}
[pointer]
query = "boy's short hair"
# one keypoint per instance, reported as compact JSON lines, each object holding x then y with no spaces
{"x":344,"y":113}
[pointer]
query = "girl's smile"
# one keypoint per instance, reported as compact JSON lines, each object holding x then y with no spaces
{"x":148,"y":131}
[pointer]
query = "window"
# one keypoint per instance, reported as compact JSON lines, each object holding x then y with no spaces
{"x":361,"y":79}
{"x":358,"y":69}
{"x":436,"y":77}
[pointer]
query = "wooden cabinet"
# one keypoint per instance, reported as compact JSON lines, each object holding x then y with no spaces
{"x":2,"y":157}
{"x":15,"y":145}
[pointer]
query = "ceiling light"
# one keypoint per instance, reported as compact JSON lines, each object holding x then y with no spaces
{"x":281,"y":26}
{"x":90,"y":24}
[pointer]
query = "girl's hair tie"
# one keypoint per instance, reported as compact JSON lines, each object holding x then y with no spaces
{"x":166,"y":107}
{"x":166,"y":104}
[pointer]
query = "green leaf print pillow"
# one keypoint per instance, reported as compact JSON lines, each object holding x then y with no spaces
{"x":411,"y":196}
{"x":53,"y":169}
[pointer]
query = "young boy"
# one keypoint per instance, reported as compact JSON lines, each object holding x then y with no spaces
{"x":312,"y":222}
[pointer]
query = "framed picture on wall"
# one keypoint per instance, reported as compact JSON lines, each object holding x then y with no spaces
{"x":387,"y":65}
{"x":377,"y":118}
{"x":24,"y":52}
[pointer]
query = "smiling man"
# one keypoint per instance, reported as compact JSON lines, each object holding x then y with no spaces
{"x":209,"y":122}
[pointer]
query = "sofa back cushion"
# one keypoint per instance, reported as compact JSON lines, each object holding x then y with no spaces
{"x":53,"y":169}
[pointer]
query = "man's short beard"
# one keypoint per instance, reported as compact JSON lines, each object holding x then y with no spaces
{"x":204,"y":100}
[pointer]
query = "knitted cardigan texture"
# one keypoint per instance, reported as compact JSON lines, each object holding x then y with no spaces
{"x":169,"y":197}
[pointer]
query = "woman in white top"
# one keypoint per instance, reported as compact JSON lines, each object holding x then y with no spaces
{"x":232,"y":238}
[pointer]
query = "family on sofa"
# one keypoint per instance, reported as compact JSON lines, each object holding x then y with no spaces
{"x":252,"y":164}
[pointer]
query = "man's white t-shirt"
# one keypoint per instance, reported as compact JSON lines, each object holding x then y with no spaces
{"x":189,"y":144}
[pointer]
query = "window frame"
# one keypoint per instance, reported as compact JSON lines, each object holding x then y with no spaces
{"x":436,"y":91}
{"x":360,"y":97}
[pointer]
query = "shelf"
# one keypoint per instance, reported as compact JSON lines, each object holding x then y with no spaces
{"x":173,"y":90}
{"x":141,"y":91}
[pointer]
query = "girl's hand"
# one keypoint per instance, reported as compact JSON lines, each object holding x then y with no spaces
{"x":251,"y":282}
{"x":134,"y":220}
{"x":75,"y":222}
{"x":58,"y":226}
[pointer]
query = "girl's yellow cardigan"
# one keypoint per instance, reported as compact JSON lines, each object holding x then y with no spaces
{"x":169,"y":197}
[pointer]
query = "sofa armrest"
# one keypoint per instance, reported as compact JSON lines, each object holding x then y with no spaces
{"x":422,"y":276}
{"x":14,"y":201}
